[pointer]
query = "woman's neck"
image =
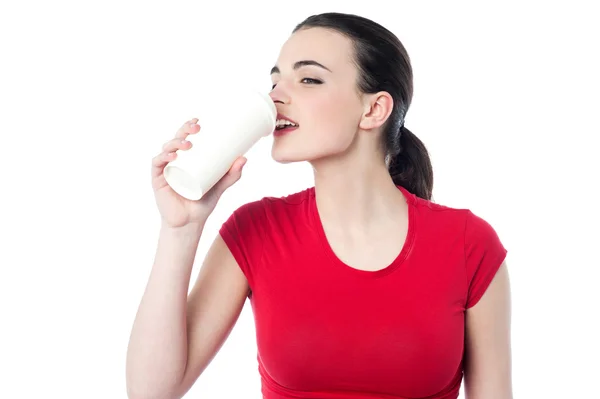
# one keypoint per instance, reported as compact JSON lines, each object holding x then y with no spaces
{"x":355,"y":195}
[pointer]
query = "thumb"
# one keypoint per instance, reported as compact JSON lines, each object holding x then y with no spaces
{"x":232,"y":176}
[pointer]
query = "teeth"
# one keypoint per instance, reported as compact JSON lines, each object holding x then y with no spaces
{"x":284,"y":122}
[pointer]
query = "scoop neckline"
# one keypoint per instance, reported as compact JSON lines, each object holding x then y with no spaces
{"x":400,"y":258}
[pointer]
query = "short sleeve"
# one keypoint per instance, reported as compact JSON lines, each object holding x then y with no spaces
{"x":484,"y":254}
{"x":243,"y":233}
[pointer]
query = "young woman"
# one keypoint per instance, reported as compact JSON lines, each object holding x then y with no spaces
{"x":361,"y":286}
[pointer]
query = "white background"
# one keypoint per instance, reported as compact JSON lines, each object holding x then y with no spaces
{"x":506,"y":99}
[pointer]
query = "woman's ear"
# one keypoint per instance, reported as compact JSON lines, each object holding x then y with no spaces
{"x":377,"y":109}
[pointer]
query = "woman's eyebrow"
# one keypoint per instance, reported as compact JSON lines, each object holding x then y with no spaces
{"x":300,"y":64}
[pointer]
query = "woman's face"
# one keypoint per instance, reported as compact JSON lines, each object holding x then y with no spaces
{"x":316,"y":87}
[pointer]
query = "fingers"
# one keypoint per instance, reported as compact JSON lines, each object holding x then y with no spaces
{"x":169,"y":149}
{"x":160,"y":161}
{"x":190,"y":127}
{"x":176,"y":144}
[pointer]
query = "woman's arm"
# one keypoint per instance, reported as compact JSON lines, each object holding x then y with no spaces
{"x":174,"y":335}
{"x":488,"y":342}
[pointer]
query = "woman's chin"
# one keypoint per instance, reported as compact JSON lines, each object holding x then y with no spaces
{"x":284,"y":160}
{"x":279,"y":155}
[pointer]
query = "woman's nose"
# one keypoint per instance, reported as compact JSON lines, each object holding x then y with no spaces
{"x":278,"y":95}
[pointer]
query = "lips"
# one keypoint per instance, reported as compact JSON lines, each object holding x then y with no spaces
{"x":281,"y":132}
{"x":287,"y":129}
{"x":282,"y":116}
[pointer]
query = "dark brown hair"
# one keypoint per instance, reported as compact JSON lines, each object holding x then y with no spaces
{"x":384,"y":65}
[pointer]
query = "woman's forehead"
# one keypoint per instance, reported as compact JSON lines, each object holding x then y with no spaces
{"x":324,"y":46}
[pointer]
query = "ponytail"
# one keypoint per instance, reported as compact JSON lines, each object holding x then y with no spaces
{"x":411,"y":167}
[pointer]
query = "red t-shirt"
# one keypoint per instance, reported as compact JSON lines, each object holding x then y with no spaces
{"x":326,"y":330}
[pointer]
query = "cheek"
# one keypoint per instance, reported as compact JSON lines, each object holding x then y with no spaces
{"x":334,"y":121}
{"x":328,"y":124}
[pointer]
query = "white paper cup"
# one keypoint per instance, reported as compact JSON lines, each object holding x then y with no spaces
{"x":227,"y":131}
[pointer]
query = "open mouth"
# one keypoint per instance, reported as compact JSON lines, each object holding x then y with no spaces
{"x":284,"y":124}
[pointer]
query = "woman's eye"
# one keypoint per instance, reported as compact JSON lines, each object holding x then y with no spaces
{"x":305,"y":80}
{"x":311,"y":81}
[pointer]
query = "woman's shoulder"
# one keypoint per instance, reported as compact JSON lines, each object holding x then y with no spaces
{"x":273,"y":204}
{"x":295,"y":198}
{"x":443,"y":212}
{"x":436,"y":208}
